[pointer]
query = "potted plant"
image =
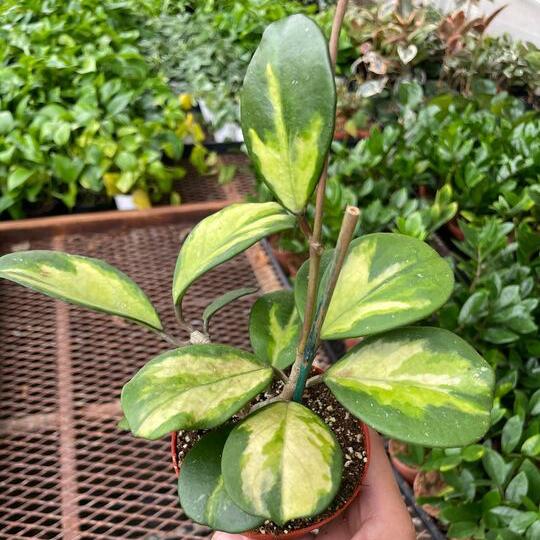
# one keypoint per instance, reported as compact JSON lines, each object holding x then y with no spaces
{"x":270,"y":452}
{"x":406,"y":458}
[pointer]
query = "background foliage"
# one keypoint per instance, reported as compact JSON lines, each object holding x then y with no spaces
{"x":82,"y":113}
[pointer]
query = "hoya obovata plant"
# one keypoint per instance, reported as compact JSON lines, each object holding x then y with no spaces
{"x":418,"y":384}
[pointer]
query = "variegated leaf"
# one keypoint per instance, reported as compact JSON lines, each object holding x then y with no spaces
{"x":387,"y":280}
{"x":122,"y":424}
{"x":223,"y":235}
{"x":282,"y":462}
{"x":421,"y":385}
{"x":274,"y":328}
{"x":83,"y":281}
{"x":224,"y":300}
{"x":288,"y":107}
{"x":202,"y":491}
{"x":195,"y":387}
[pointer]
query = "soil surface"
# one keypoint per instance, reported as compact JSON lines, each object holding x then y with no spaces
{"x":348,"y":433}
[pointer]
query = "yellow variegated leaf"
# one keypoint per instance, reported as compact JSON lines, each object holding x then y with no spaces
{"x":282,"y":462}
{"x":80,"y":280}
{"x":201,"y":489}
{"x":223,"y":235}
{"x":387,"y":280}
{"x":195,"y":387}
{"x":288,"y":108}
{"x":274,"y":328}
{"x":420,"y":385}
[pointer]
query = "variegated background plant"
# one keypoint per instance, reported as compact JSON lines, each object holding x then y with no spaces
{"x":419,"y":384}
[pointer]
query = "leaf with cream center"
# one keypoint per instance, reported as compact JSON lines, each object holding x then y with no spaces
{"x":223,"y":235}
{"x":195,"y":387}
{"x":288,"y":106}
{"x":83,"y":281}
{"x":387,"y":280}
{"x":202,"y":491}
{"x":421,"y":385}
{"x":282,"y":462}
{"x":274,"y":328}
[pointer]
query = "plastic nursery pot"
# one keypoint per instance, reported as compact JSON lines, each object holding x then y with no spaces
{"x":316,"y":524}
{"x":408,"y":472}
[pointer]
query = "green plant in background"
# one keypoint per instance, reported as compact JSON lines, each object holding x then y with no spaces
{"x":81,"y":112}
{"x":214,"y":43}
{"x":441,"y":53}
{"x":419,"y":384}
{"x":492,"y":490}
{"x":482,"y":154}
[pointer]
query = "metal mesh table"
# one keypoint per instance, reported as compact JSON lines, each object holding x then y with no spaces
{"x":65,"y":470}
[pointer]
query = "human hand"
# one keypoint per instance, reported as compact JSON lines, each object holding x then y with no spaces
{"x":378,"y":513}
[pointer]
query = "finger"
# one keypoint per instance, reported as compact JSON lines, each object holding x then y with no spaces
{"x":381,"y":513}
{"x":226,"y":536}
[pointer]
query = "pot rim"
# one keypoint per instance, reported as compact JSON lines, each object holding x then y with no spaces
{"x":316,"y":525}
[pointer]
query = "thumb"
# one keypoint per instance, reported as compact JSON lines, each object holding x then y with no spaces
{"x":227,"y":536}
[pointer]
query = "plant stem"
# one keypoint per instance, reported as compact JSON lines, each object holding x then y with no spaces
{"x":337,"y":23}
{"x":302,"y":366}
{"x":171,"y":339}
{"x":180,"y":318}
{"x":348,"y":226}
{"x":304,"y":226}
{"x":315,"y":246}
{"x":280,"y":374}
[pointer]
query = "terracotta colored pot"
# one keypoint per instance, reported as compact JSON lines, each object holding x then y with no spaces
{"x":351,"y":342}
{"x":289,"y":262}
{"x":407,"y":471}
{"x":316,"y":525}
{"x":429,"y":484}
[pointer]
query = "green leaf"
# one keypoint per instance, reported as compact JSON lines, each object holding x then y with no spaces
{"x":420,"y":385}
{"x":66,"y":168}
{"x":387,"y":280}
{"x":118,"y":103}
{"x":223,"y":300}
{"x":62,"y":134}
{"x":491,"y":499}
{"x":474,"y":308}
{"x":462,"y":529}
{"x":82,"y":281}
{"x":500,"y":336}
{"x":531,"y":447}
{"x":123,"y":424}
{"x":511,"y":433}
{"x":126,"y":161}
{"x":202,"y":491}
{"x":517,"y":488}
{"x":195,"y":387}
{"x":533,"y":532}
{"x":521,"y":522}
{"x":473,"y":452}
{"x":282,"y":462}
{"x":18,"y":177}
{"x":223,"y":235}
{"x":274,"y":328}
{"x":497,"y":469}
{"x":534,"y":404}
{"x":6,"y":122}
{"x":533,"y":476}
{"x":288,"y":107}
